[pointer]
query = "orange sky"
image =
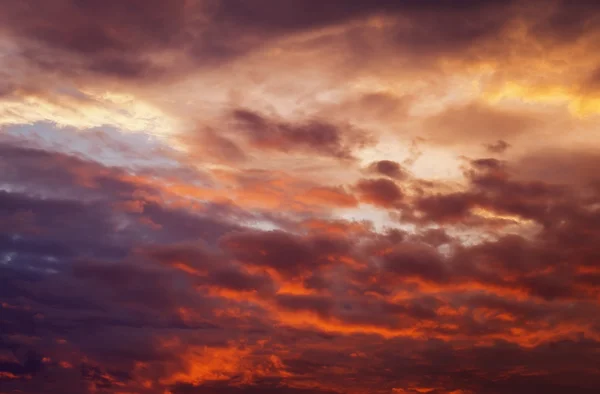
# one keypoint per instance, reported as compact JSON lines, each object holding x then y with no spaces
{"x":299,"y":197}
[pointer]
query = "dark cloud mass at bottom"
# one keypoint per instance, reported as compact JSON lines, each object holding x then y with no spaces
{"x":293,"y":197}
{"x":101,"y":297}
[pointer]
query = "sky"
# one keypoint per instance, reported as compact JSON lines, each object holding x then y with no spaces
{"x":299,"y":197}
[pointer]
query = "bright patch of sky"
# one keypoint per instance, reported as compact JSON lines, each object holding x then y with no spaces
{"x":107,"y":144}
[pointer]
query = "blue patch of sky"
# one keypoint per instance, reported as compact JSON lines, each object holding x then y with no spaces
{"x":106,"y":145}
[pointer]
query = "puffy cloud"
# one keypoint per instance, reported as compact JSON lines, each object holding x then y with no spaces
{"x":388,"y":168}
{"x":381,"y":192}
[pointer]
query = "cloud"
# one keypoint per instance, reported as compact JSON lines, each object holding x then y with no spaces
{"x":147,"y":41}
{"x":388,"y":168}
{"x":409,"y":260}
{"x":287,"y":254}
{"x":380,"y":292}
{"x":446,"y":207}
{"x":312,"y":137}
{"x":227,"y":197}
{"x":380,"y":192}
{"x":266,"y":388}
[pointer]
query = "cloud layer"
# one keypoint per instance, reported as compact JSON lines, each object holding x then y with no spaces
{"x":293,"y":197}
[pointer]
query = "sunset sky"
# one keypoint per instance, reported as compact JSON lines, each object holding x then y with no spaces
{"x":299,"y":196}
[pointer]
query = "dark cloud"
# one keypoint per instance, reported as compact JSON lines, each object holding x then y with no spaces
{"x":291,"y":255}
{"x":74,"y":265}
{"x":443,"y":208}
{"x":238,"y":280}
{"x":127,"y":41}
{"x":31,"y":364}
{"x":266,"y":388}
{"x":192,"y":256}
{"x":111,"y":39}
{"x":567,"y":21}
{"x":414,"y":260}
{"x":388,"y":168}
{"x":381,"y":192}
{"x":315,"y":137}
{"x":318,"y":304}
